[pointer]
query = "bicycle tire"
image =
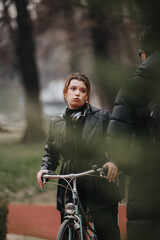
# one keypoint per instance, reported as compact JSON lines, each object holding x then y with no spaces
{"x":63,"y":233}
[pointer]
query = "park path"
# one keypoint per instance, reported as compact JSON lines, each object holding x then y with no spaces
{"x":12,"y":236}
{"x":42,"y":221}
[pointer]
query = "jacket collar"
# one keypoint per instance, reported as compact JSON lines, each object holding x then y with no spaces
{"x":90,"y":122}
{"x":150,"y":67}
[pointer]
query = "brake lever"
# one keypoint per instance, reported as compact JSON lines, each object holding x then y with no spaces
{"x":105,"y":171}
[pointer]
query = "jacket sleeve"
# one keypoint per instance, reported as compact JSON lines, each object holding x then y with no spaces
{"x":51,"y":157}
{"x":121,"y":128}
{"x":106,"y":116}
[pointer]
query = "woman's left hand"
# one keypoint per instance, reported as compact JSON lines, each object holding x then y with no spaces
{"x":112,"y":171}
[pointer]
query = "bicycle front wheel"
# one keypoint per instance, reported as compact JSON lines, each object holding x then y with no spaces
{"x":67,"y":231}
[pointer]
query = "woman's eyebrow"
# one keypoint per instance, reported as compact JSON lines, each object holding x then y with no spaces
{"x":77,"y":86}
{"x":83,"y":87}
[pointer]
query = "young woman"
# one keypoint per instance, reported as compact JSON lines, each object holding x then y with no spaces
{"x":78,"y":136}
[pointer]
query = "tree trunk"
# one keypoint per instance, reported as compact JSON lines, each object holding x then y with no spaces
{"x":26,"y":56}
{"x":108,"y":45}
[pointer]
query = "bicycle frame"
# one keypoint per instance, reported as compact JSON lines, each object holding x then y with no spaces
{"x":76,"y":216}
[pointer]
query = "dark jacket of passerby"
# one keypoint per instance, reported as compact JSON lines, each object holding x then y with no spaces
{"x":130,"y":142}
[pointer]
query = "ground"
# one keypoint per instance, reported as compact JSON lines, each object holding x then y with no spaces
{"x":43,"y":221}
{"x":21,"y":237}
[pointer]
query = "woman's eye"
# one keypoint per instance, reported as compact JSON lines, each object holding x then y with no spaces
{"x":73,"y":88}
{"x":83,"y":90}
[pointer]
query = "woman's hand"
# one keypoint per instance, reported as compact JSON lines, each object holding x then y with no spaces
{"x":39,"y":177}
{"x":112,"y":171}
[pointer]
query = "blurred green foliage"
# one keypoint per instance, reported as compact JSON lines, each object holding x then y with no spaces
{"x":19,"y":166}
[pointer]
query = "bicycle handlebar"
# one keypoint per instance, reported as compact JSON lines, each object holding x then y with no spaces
{"x":53,"y":175}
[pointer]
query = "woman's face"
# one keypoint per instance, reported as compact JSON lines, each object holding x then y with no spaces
{"x":76,"y":94}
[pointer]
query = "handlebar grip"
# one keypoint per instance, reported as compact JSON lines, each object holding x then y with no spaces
{"x":50,"y":172}
{"x":44,"y":179}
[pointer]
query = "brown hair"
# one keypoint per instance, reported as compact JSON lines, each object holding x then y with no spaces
{"x":80,"y":77}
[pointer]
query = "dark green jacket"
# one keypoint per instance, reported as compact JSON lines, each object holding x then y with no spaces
{"x":129,"y":140}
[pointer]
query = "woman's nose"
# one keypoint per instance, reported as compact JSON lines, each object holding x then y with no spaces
{"x":77,"y":92}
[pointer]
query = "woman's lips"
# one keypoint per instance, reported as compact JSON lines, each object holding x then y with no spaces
{"x":76,"y":99}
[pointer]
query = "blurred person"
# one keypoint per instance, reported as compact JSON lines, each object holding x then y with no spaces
{"x":133,"y":140}
{"x":79,"y":137}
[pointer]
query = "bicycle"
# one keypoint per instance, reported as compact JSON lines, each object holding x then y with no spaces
{"x":72,"y":228}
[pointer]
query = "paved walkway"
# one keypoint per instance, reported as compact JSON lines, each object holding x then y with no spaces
{"x":21,"y":237}
{"x":37,"y":222}
{"x":40,"y":221}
